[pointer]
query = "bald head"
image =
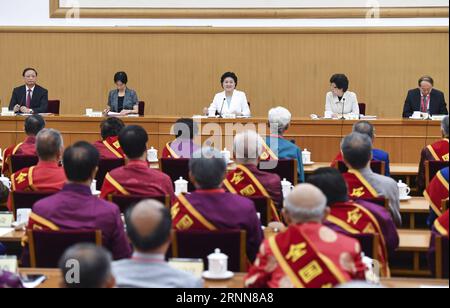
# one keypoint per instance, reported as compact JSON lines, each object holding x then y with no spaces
{"x":306,"y":203}
{"x":248,"y":147}
{"x":148,"y":225}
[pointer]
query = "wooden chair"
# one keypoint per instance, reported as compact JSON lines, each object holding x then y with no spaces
{"x":47,"y":247}
{"x":125,"y":202}
{"x":262,"y":206}
{"x":176,"y":168}
{"x":105,"y":166}
{"x":19,"y":162}
{"x":26,"y":199}
{"x":285,"y":168}
{"x":441,"y":258}
{"x":378,"y":167}
{"x":362,"y":108}
{"x":141,"y":108}
{"x":54,"y":106}
{"x":432,"y":167}
{"x":199,"y":244}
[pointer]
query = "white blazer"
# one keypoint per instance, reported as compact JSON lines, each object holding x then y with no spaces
{"x":349,"y":100}
{"x":238,"y":105}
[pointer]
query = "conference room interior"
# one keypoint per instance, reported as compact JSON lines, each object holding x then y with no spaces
{"x":308,"y":91}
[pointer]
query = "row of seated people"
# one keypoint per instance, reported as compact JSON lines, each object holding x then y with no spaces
{"x":62,"y":211}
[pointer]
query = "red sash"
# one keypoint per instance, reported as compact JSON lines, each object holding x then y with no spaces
{"x":356,"y":219}
{"x":23,"y":180}
{"x":441,"y":224}
{"x":242,"y":182}
{"x":37,"y":222}
{"x":267,"y":153}
{"x":306,"y":267}
{"x":170,"y":152}
{"x":185,"y":216}
{"x":6,"y":169}
{"x":437,"y":192}
{"x":358,"y":187}
{"x":111,"y":186}
{"x":113,"y":145}
{"x":439,"y":150}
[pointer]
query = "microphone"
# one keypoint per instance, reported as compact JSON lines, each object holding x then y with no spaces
{"x":343,"y":105}
{"x":221,"y":109}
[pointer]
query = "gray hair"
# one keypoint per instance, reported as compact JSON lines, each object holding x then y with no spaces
{"x":444,"y":126}
{"x":49,"y":143}
{"x":302,"y":215}
{"x":309,"y":204}
{"x":357,"y":150}
{"x":208,"y":168}
{"x":248,"y":147}
{"x":364,"y":127}
{"x":279,"y":120}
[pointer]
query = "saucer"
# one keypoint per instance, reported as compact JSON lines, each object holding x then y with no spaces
{"x":406,"y":198}
{"x":309,"y":164}
{"x":224,"y":276}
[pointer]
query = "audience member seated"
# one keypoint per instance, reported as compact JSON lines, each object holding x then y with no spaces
{"x":75,"y":208}
{"x":10,"y":281}
{"x":136,"y":178}
{"x":356,"y":217}
{"x":33,"y":125}
{"x":94,"y":268}
{"x":47,"y":175}
{"x":148,"y":226}
{"x":308,"y":254}
{"x":183,"y":146}
{"x":210,"y":207}
{"x":365,"y":127}
{"x":247,"y":180}
{"x":109,"y":147}
{"x":276,"y":146}
{"x":362,"y":182}
{"x":436,"y":193}
{"x":438,"y":151}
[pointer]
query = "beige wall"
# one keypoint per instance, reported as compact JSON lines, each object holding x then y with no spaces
{"x":177,"y":72}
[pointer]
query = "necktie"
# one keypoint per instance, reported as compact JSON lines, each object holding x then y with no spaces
{"x":29,"y":99}
{"x":424,"y":104}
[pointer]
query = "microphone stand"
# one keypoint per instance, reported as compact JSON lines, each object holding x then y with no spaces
{"x":343,"y":106}
{"x":221,"y":109}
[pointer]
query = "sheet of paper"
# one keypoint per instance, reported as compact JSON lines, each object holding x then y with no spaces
{"x":4,"y":231}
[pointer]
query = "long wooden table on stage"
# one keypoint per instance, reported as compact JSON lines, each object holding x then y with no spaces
{"x":402,"y":138}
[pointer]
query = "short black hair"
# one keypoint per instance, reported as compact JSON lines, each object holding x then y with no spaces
{"x":183,"y":127}
{"x":133,"y":140}
{"x":357,"y":150}
{"x":151,"y":241}
{"x":80,"y":161}
{"x":94,"y":266}
{"x":331,"y":182}
{"x":111,"y":127}
{"x":121,"y":76}
{"x":29,"y":69}
{"x":341,"y":81}
{"x":229,"y":75}
{"x":364,"y":127}
{"x":34,"y":124}
{"x":208,"y":172}
{"x":427,"y":79}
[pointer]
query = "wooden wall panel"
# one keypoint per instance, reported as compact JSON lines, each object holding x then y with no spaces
{"x":178,"y":73}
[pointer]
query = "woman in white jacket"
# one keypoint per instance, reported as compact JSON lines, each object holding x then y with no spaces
{"x":339,"y":100}
{"x":230,"y":101}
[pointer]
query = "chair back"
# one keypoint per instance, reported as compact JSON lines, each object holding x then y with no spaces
{"x":200,"y":244}
{"x":141,"y":108}
{"x":262,"y":206}
{"x":47,"y":247}
{"x":105,"y":166}
{"x":286,"y":169}
{"x":377,"y":166}
{"x":19,"y":162}
{"x":126,"y":202}
{"x":362,"y":108}
{"x":441,"y":266}
{"x":54,"y":106}
{"x":370,"y":244}
{"x":432,"y":167}
{"x":176,"y":168}
{"x":26,"y":199}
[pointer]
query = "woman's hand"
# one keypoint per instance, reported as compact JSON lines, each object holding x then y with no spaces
{"x":106,"y":111}
{"x":125,"y":112}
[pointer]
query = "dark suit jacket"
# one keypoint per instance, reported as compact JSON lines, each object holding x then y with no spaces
{"x":39,"y":100}
{"x":414,"y":100}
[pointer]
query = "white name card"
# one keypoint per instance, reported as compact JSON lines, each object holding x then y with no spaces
{"x":6,"y":219}
{"x":192,"y":266}
{"x":8,"y":264}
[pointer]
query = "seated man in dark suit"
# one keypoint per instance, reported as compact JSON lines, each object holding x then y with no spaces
{"x":29,"y":98}
{"x":425,"y":99}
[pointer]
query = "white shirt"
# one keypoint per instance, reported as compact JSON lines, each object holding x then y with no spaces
{"x":349,"y":100}
{"x":238,"y":105}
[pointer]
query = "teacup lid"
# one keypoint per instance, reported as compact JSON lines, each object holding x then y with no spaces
{"x":181,"y":181}
{"x":305,"y":151}
{"x":401,"y":184}
{"x":285,"y":182}
{"x":217,"y":255}
{"x":152,"y":149}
